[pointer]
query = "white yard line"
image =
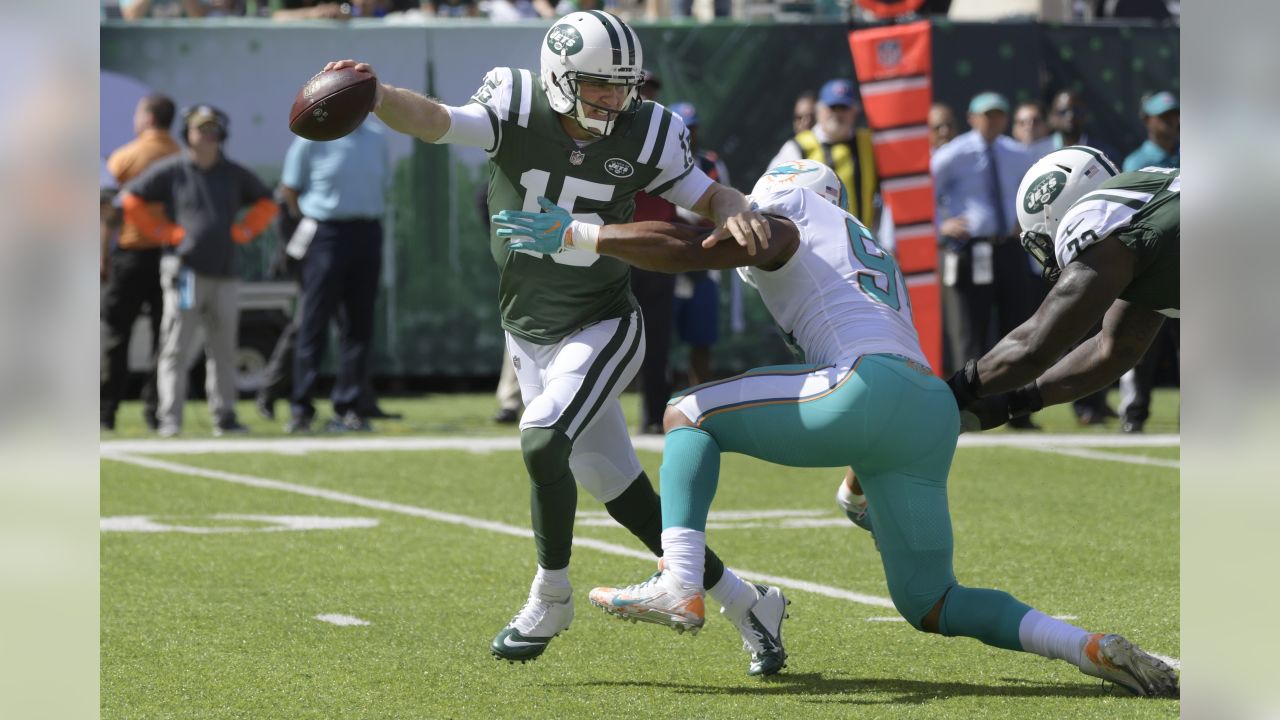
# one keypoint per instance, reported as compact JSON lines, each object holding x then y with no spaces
{"x":479,"y":524}
{"x":341,"y":620}
{"x":1109,"y":456}
{"x":302,"y":446}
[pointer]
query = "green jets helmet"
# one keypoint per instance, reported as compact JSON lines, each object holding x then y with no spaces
{"x":598,"y":47}
{"x":1049,"y":189}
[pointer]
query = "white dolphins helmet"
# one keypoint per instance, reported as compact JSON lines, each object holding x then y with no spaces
{"x":1049,"y":189}
{"x":595,"y":46}
{"x":803,"y":173}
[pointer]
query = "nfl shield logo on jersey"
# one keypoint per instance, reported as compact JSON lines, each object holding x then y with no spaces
{"x":576,"y":157}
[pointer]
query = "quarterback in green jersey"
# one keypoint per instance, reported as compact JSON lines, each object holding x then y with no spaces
{"x":1109,"y":243}
{"x":578,"y":133}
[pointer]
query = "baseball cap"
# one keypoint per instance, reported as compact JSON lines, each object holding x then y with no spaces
{"x":687,"y":112}
{"x":987,"y":101}
{"x":203,"y":114}
{"x":1159,"y":103}
{"x":837,"y":93}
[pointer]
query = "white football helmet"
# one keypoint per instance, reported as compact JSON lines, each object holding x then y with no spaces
{"x":1049,"y":189}
{"x":803,"y":173}
{"x":596,"y":46}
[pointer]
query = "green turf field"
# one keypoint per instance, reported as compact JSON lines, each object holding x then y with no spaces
{"x":219,"y":620}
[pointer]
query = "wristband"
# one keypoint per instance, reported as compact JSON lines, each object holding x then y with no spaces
{"x":582,"y":236}
{"x":965,"y":384}
{"x":1025,"y":400}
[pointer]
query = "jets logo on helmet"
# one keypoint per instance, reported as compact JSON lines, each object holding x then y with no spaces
{"x":1049,"y":189}
{"x":564,"y":40}
{"x":803,"y":173}
{"x":1044,"y":190}
{"x":592,"y":47}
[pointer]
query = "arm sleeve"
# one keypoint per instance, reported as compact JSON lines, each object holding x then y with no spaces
{"x":494,"y":98}
{"x":473,"y":125}
{"x":689,"y":189}
{"x":256,"y":220}
{"x":294,"y":174}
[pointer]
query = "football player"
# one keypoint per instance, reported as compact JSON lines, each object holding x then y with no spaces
{"x":1108,"y":241}
{"x":577,"y":131}
{"x":866,"y":399}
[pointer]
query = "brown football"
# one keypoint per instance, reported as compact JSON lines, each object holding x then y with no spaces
{"x":332,"y":104}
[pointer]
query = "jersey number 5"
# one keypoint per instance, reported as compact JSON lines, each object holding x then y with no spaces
{"x":535,"y":184}
{"x":880,"y":265}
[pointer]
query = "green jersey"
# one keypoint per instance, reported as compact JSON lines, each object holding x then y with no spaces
{"x":543,"y":298}
{"x":1141,"y":210}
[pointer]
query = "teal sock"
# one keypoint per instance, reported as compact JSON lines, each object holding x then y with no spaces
{"x":992,"y":616}
{"x":689,"y":475}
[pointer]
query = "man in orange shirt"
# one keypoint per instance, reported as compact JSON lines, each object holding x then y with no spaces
{"x":132,"y":267}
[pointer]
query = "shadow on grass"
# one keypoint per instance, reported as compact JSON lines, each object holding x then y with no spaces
{"x":877,"y":691}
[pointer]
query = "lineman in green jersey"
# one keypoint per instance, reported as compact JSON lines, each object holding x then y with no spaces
{"x":577,"y":132}
{"x":1109,"y":243}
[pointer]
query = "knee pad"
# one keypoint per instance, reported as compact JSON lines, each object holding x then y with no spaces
{"x":546,"y":454}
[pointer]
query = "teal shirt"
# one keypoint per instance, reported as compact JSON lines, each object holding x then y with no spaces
{"x":343,"y":179}
{"x":1152,"y":155}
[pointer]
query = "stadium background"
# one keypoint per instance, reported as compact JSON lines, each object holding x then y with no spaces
{"x":437,"y":312}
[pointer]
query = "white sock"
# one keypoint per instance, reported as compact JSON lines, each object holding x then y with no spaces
{"x":553,"y":585}
{"x":735,"y":595}
{"x":684,"y":555}
{"x":1054,"y":639}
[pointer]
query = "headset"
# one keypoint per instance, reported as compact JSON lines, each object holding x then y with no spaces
{"x":219,"y":117}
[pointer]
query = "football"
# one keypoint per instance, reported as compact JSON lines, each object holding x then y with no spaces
{"x":332,"y":104}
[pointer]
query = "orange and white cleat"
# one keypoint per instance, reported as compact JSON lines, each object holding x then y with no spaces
{"x":1115,"y":659}
{"x":662,"y":600}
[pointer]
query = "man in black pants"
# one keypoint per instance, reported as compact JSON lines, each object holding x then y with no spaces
{"x":131,"y":268}
{"x":339,"y":190}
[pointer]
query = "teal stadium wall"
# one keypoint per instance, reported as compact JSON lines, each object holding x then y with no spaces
{"x":437,"y":312}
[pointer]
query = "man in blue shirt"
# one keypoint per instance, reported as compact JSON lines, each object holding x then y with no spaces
{"x":1161,"y":115}
{"x":338,"y":188}
{"x":976,"y":178}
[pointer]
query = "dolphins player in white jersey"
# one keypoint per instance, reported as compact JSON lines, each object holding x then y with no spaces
{"x":865,"y":399}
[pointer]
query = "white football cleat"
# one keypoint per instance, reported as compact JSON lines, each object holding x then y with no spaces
{"x":1117,"y":660}
{"x":761,"y":630}
{"x":531,"y":630}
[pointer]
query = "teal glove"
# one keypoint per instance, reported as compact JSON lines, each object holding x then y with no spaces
{"x":544,"y":232}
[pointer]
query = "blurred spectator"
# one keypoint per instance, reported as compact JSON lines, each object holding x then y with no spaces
{"x":451,"y":8}
{"x":984,"y":269}
{"x":697,"y":294}
{"x":1163,"y":10}
{"x":1031,"y":129}
{"x":1161,"y":115}
{"x":1069,"y":118}
{"x":338,"y":189}
{"x":804,"y":116}
{"x":203,"y":192}
{"x":132,"y":268}
{"x":655,"y":293}
{"x":140,"y":9}
{"x":942,"y":125}
{"x":309,"y":10}
{"x":516,"y":10}
{"x":835,"y":142}
{"x":684,"y":8}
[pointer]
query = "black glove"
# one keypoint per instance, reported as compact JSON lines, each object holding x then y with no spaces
{"x":992,"y":412}
{"x":965,"y":384}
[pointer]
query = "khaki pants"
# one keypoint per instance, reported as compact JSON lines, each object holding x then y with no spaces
{"x":191,"y":304}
